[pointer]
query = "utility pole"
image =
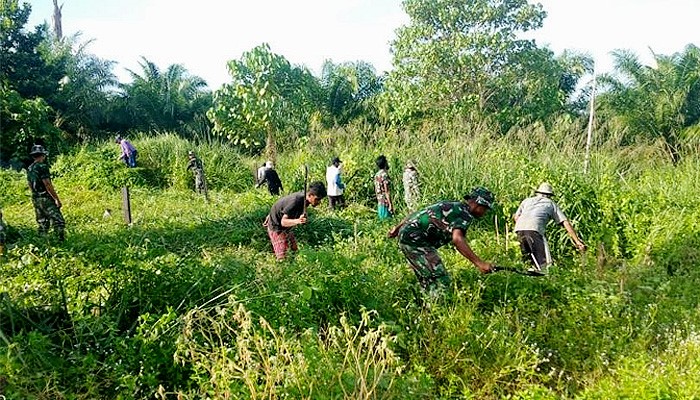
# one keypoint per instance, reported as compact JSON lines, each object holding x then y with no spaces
{"x":591,"y":113}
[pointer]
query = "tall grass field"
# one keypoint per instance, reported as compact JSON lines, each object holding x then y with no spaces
{"x":188,"y":302}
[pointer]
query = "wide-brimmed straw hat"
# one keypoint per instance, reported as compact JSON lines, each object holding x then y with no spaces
{"x":545,"y":188}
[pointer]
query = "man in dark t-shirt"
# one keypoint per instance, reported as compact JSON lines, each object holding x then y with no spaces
{"x":274,"y":184}
{"x":288,"y":212}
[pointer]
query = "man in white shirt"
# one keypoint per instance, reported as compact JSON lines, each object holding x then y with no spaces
{"x":334,"y":184}
{"x":261,"y":171}
{"x":531,"y":219}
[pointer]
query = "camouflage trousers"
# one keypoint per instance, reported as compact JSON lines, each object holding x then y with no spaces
{"x":427,"y":266}
{"x":199,"y":181}
{"x":47,"y":214}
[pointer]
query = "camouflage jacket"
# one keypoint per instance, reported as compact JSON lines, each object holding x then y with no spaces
{"x":36,"y":173}
{"x":195,"y":164}
{"x":433,"y":225}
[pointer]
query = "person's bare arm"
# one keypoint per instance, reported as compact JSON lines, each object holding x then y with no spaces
{"x":393,"y":232}
{"x":572,"y":234}
{"x":388,"y":197}
{"x":464,"y":249}
{"x":290,"y":222}
{"x":52,"y":191}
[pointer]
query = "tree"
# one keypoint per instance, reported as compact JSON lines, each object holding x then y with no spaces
{"x":26,"y":78}
{"x":349,"y":89}
{"x":459,"y":56}
{"x":267,"y":97}
{"x":654,"y":102}
{"x":24,"y":122}
{"x":82,"y":101}
{"x":538,"y":85}
{"x":21,"y":64}
{"x":170,"y":100}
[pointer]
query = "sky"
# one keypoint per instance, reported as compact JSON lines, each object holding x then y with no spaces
{"x":204,"y":35}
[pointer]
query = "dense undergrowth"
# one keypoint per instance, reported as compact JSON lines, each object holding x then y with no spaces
{"x":189,"y":302}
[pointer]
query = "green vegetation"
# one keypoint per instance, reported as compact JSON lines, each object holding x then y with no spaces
{"x":190,"y":302}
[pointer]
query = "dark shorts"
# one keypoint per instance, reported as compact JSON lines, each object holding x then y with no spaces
{"x":336,"y":201}
{"x":532,"y":247}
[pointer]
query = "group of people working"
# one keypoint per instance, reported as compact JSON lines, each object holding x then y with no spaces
{"x":419,"y":234}
{"x":425,"y":230}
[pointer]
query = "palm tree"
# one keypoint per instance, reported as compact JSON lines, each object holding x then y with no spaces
{"x":654,"y":102}
{"x":165,"y":100}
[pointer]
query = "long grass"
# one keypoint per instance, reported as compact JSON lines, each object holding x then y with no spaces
{"x":189,"y":301}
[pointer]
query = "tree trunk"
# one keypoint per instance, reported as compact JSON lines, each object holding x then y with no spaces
{"x":271,"y":146}
{"x":57,"y":25}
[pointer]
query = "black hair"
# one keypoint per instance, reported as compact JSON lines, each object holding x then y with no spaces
{"x":382,"y":163}
{"x":318,"y":189}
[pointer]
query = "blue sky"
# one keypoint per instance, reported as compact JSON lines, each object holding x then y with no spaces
{"x":203,"y":35}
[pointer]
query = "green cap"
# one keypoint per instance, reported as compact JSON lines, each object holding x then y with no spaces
{"x":481,"y":196}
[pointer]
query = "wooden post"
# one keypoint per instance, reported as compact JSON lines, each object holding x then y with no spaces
{"x":126,"y":205}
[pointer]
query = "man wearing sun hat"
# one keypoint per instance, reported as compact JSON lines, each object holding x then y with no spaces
{"x":426,"y":230}
{"x":411,"y":190}
{"x":531,"y":219}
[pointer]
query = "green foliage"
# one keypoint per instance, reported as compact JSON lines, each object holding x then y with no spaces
{"x":170,"y":100}
{"x":84,"y":98}
{"x":350,"y":90}
{"x":266,"y":99}
{"x":22,"y":66}
{"x":466,"y":58}
{"x":657,"y":102}
{"x":189,"y":301}
{"x":162,"y":163}
{"x":24,"y":122}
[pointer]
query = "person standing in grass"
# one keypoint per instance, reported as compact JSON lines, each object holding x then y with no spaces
{"x":426,"y":230}
{"x":411,"y":191}
{"x":531,"y":219}
{"x":382,"y":188}
{"x":261,"y":170}
{"x":47,"y":205}
{"x":270,"y":176}
{"x":288,"y":212}
{"x":129,"y":152}
{"x":195,"y":165}
{"x":335,"y":184}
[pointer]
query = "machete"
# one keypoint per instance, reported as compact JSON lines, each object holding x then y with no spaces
{"x":498,"y":268}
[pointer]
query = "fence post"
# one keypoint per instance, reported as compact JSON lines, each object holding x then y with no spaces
{"x":126,"y":205}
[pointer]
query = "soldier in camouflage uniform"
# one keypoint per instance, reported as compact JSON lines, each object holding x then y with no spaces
{"x":195,"y":164}
{"x":424,"y":231}
{"x":411,"y":191}
{"x":47,"y":205}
